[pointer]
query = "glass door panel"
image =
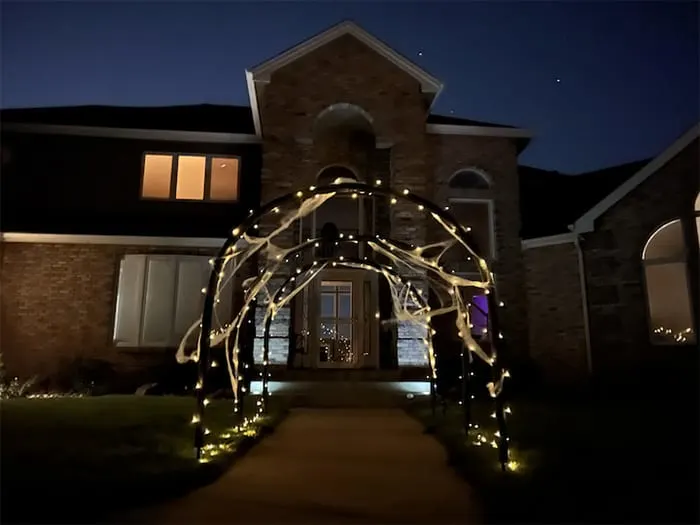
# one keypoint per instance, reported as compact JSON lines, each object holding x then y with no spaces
{"x":336,"y":341}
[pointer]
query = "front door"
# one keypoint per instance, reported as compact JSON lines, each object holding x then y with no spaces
{"x":336,"y":331}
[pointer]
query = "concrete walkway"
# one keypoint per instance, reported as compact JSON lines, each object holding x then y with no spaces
{"x":333,"y":466}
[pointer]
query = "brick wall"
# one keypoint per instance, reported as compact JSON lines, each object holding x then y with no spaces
{"x":343,"y":71}
{"x":58,"y":304}
{"x":614,"y":272}
{"x":498,"y":158}
{"x":555,"y":312}
{"x":346,"y":71}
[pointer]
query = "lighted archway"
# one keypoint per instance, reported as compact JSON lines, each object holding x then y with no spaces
{"x":241,"y":245}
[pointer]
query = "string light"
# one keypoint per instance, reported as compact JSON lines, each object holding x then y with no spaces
{"x":401,"y":295}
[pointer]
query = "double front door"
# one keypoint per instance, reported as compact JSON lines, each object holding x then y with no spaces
{"x":339,"y":320}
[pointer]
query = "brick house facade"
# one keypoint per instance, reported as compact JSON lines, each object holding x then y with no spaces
{"x":596,"y":296}
{"x":341,"y":100}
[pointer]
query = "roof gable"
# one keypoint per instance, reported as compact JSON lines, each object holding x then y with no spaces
{"x":586,"y":222}
{"x":542,"y":216}
{"x":263,"y":71}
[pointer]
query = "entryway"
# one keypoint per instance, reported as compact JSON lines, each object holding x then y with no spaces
{"x":337,"y":343}
{"x":338,"y":321}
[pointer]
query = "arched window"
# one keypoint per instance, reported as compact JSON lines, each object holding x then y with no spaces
{"x":667,"y":290}
{"x":330,"y":174}
{"x":469,"y":179}
{"x":343,"y":211}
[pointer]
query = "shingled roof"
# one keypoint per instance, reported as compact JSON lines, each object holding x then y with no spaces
{"x":550,"y":201}
{"x":200,"y":117}
{"x":458,"y":121}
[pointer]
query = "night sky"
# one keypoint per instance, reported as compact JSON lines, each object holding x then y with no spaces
{"x":599,"y":83}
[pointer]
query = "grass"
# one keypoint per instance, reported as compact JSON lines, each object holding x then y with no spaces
{"x":612,"y":461}
{"x":79,"y":459}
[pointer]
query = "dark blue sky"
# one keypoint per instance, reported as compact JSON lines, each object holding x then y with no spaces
{"x":628,"y":71}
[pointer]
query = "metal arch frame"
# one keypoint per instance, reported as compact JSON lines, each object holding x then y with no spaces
{"x":455,"y":229}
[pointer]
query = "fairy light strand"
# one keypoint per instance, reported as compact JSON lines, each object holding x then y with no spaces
{"x":244,"y":242}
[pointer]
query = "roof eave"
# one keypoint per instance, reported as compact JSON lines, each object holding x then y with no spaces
{"x":253,"y":98}
{"x":263,"y":71}
{"x":586,"y":223}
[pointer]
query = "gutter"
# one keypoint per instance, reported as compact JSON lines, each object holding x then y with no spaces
{"x":584,"y":299}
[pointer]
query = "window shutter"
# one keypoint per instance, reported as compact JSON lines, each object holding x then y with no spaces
{"x":158,"y":305}
{"x":127,"y":322}
{"x":189,"y":300}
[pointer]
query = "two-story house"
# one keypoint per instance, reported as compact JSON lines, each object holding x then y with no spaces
{"x":110,"y":216}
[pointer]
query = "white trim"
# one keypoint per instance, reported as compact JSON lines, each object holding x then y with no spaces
{"x":131,"y":133}
{"x":262,"y":72}
{"x":117,"y":240}
{"x":658,"y":231}
{"x":586,"y":222}
{"x":253,"y":98}
{"x":478,"y":131}
{"x":584,"y":304}
{"x":417,"y":388}
{"x":550,"y":240}
{"x":487,"y":178}
{"x":492,"y":219}
{"x":429,"y":84}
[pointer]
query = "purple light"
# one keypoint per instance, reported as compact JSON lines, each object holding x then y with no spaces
{"x":479,"y":313}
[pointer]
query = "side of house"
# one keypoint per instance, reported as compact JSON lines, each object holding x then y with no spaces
{"x":612,"y":288}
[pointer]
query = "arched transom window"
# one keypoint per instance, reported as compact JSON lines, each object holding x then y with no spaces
{"x":469,"y":179}
{"x":471,"y":202}
{"x":667,"y":289}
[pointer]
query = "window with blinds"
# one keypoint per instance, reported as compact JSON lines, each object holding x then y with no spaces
{"x":160,"y":296}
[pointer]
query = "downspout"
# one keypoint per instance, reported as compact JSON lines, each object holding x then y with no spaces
{"x":584,"y":300}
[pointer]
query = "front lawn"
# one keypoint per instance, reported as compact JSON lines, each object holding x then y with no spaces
{"x":78,"y":459}
{"x":605,"y":461}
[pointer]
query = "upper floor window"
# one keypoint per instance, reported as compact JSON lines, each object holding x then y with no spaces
{"x":667,"y":290}
{"x":190,"y":177}
{"x":469,"y":179}
{"x":478,"y":215}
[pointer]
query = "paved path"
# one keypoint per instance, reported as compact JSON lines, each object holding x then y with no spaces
{"x":333,"y":466}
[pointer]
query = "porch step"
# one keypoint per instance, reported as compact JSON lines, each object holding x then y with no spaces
{"x":282,"y":373}
{"x":352,"y":394}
